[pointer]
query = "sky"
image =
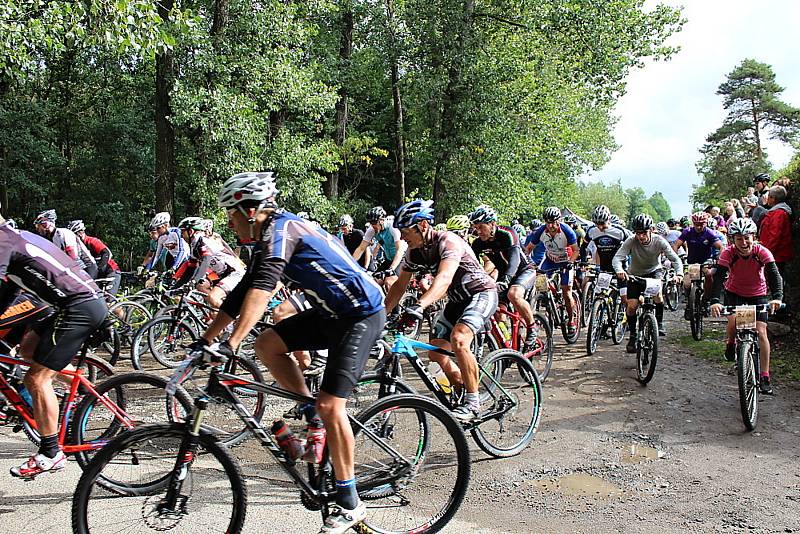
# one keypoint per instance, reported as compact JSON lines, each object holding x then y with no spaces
{"x":671,"y":106}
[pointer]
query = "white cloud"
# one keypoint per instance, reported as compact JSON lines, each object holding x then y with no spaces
{"x":670,"y":107}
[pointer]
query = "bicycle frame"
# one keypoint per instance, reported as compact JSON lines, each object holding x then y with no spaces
{"x":77,"y":380}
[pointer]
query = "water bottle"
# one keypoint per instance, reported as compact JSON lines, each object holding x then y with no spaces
{"x":504,"y":331}
{"x":315,"y":441}
{"x":25,"y":394}
{"x":438,"y":374}
{"x":287,"y":441}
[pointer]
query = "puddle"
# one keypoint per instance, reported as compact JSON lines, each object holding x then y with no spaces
{"x":579,"y":485}
{"x":636,"y":453}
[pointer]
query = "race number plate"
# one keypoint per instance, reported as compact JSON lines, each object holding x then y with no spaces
{"x":541,"y":282}
{"x":653,"y":287}
{"x":745,"y":317}
{"x":694,"y":271}
{"x":603,"y":282}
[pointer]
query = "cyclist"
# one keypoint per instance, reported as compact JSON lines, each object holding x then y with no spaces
{"x":518,"y":229}
{"x":177,"y":247}
{"x":459,"y":225}
{"x":346,"y":317}
{"x":388,"y":238}
{"x":352,"y":237}
{"x":701,"y":244}
{"x":645,"y":250}
{"x":500,"y":244}
{"x":561,"y":249}
{"x":206,"y":256}
{"x":208,"y":228}
{"x":106,"y":266}
{"x":66,"y":240}
{"x":32,"y":263}
{"x":160,"y":262}
{"x":752,"y":275}
{"x":471,"y":295}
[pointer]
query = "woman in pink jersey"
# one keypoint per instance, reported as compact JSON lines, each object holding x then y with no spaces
{"x":752,"y":278}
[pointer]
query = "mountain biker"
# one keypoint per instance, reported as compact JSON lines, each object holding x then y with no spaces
{"x":607,"y":237}
{"x":352,"y":237}
{"x":471,"y":295}
{"x":66,"y":240}
{"x":701,"y":244}
{"x":208,"y":228}
{"x":459,"y":225}
{"x":516,"y":275}
{"x":106,"y":266}
{"x":752,"y":275}
{"x":389,"y":240}
{"x":178,"y":249}
{"x":645,"y":250}
{"x":206,"y":256}
{"x":346,"y":317}
{"x":39,"y":267}
{"x":561,"y":249}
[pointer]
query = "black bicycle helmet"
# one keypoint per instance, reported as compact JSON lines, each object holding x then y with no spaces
{"x":642,"y":223}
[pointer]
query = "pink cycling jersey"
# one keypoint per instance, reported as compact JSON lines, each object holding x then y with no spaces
{"x":746,"y":273}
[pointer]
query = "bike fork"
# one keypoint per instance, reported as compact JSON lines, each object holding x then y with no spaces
{"x":186,"y":455}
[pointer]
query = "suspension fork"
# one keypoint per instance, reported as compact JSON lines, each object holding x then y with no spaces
{"x":186,"y":456}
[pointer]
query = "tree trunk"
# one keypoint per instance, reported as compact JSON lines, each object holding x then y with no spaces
{"x":397,"y":102}
{"x":448,"y":137}
{"x":165,"y":131}
{"x":331,"y":186}
{"x":756,"y":125}
{"x":221,"y":19}
{"x":276,"y":121}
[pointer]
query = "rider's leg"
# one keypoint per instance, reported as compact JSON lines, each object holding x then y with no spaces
{"x":659,"y":302}
{"x":388,"y":282}
{"x":730,"y":338}
{"x":764,"y":347}
{"x":39,"y":382}
{"x":341,"y":443}
{"x":516,"y":295}
{"x":216,"y":296}
{"x":566,"y":291}
{"x":449,"y":367}
{"x":284,"y":310}
{"x":273,"y":353}
{"x":461,"y":339}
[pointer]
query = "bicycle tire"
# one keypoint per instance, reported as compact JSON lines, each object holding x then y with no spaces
{"x":124,"y":390}
{"x":695,"y":305}
{"x":126,"y":507}
{"x":365,"y":392}
{"x":647,"y":353}
{"x":620,"y":326}
{"x":671,"y":296}
{"x":454,"y":453}
{"x":542,"y":357}
{"x":748,"y":384}
{"x":587,"y":295}
{"x":595,"y":327}
{"x":128,"y":317}
{"x":142,"y":339}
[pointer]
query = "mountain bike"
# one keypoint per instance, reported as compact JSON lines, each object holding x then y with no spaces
{"x":607,"y":316}
{"x":672,"y":290}
{"x":695,"y":302}
{"x":748,"y":360}
{"x":412,"y":467}
{"x":646,"y":328}
{"x":586,"y":290}
{"x":508,"y":331}
{"x":511,"y":400}
{"x":548,"y":297}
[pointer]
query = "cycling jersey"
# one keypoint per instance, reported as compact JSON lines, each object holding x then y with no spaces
{"x":557,"y":246}
{"x":469,"y":278}
{"x":607,"y":243}
{"x":645,"y":257}
{"x":67,"y":241}
{"x":504,"y":251}
{"x":699,"y":245}
{"x":672,"y":236}
{"x":34,"y":264}
{"x":179,"y":253}
{"x":102,"y":255}
{"x":293,"y":249}
{"x":746,"y":277}
{"x":387,"y":238}
{"x":207,"y":255}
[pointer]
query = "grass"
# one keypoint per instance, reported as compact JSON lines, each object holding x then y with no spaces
{"x":707,"y":349}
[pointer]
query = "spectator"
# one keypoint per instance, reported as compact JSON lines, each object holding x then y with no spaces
{"x":737,"y":206}
{"x":750,"y":198}
{"x":729,"y":214}
{"x":757,"y":209}
{"x":715,"y":214}
{"x":775,"y":231}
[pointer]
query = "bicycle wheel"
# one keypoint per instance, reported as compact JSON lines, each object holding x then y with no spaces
{"x":164,"y":339}
{"x":420,"y":483}
{"x":587,"y":295}
{"x":128,"y":317}
{"x":513,"y":401}
{"x":596,"y":323}
{"x":748,"y":384}
{"x":541,"y":354}
{"x":696,"y":306}
{"x":94,"y":369}
{"x":368,"y":390}
{"x":620,"y":326}
{"x":213,"y":495}
{"x":671,"y":296}
{"x":220,"y":418}
{"x":647,"y":353}
{"x":141,"y":396}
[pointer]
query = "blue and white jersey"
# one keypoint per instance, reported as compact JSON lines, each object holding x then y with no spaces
{"x":556,"y":247}
{"x":296,"y":251}
{"x":180,"y":252}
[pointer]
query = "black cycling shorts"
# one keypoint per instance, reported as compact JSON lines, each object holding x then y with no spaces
{"x":732,"y":299}
{"x":299,"y":302}
{"x":525,"y":279}
{"x":474,"y":312}
{"x":62,"y":335}
{"x":636,"y":288}
{"x":348,"y":340}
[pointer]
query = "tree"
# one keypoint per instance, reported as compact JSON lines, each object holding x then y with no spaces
{"x":734,"y":153}
{"x":660,"y":206}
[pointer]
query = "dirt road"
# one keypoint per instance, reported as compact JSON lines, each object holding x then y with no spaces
{"x":610,"y":456}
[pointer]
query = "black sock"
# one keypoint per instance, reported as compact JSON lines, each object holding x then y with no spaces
{"x":632,"y":325}
{"x":346,"y":494}
{"x":49,"y":446}
{"x":660,"y":314}
{"x":310,"y":411}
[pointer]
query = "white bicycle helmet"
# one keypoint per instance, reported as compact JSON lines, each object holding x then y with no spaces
{"x":76,"y":226}
{"x":743,"y":226}
{"x":160,"y":219}
{"x":258,"y":187}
